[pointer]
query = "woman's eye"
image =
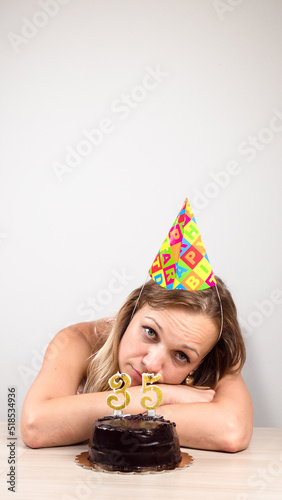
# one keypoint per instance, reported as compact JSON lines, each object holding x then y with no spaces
{"x":180,"y":356}
{"x":150,"y":332}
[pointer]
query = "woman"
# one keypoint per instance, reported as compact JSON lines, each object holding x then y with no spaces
{"x":176,"y":333}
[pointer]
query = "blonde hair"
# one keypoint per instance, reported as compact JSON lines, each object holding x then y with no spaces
{"x":227,"y":355}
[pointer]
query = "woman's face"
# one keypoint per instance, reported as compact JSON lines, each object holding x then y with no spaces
{"x":171,"y":341}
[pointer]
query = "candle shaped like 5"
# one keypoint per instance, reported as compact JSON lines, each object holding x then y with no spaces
{"x":119,"y":383}
{"x":148,"y":378}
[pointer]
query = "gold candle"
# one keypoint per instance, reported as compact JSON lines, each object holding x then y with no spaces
{"x":119,"y":383}
{"x":149,"y":378}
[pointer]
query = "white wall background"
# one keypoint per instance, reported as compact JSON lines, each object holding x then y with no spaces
{"x":211,"y":129}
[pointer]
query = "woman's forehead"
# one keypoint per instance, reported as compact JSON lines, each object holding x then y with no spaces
{"x":180,"y":320}
{"x":176,"y":312}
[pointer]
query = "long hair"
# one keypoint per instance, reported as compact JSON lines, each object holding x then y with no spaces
{"x":227,"y":355}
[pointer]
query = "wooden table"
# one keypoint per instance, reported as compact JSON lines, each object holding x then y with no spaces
{"x":51,"y":473}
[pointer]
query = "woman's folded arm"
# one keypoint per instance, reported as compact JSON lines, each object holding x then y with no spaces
{"x":224,"y":424}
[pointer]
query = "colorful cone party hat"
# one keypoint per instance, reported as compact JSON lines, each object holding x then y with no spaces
{"x":182,"y":261}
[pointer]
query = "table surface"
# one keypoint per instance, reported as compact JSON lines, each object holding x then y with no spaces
{"x":51,"y":473}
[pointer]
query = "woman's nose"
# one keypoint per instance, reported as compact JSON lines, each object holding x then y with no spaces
{"x":154,"y":359}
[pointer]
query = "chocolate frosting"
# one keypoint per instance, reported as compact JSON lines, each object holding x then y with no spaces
{"x":134,"y":442}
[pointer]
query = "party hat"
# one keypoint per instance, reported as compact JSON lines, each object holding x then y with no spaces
{"x":182,"y":260}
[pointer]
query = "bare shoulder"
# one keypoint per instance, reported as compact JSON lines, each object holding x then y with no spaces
{"x":230,"y":379}
{"x":232,"y":387}
{"x":95,"y":332}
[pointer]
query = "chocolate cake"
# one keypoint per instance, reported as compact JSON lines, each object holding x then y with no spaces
{"x":134,"y":443}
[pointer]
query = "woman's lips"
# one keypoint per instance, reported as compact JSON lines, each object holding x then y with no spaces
{"x":136,"y":374}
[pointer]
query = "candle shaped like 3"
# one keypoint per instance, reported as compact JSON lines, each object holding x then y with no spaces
{"x":149,"y":378}
{"x":119,"y":383}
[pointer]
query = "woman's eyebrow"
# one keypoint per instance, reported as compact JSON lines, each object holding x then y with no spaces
{"x":159,"y":326}
{"x":185,"y":346}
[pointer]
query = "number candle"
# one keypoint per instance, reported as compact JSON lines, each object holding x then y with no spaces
{"x":119,"y":383}
{"x":148,"y":378}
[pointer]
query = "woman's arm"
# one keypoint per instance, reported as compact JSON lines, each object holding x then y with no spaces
{"x":224,"y":424}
